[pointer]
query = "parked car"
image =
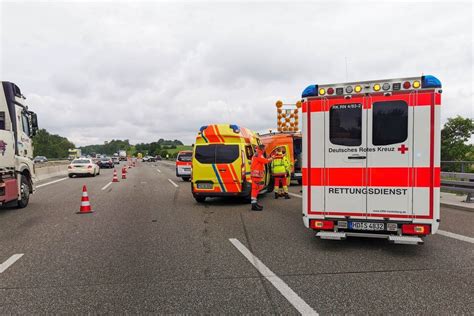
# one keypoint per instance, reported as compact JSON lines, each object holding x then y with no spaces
{"x":40,"y":159}
{"x":83,"y":166}
{"x":106,"y":162}
{"x":158,"y":157}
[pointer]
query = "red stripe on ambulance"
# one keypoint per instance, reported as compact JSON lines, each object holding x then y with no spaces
{"x":374,"y":177}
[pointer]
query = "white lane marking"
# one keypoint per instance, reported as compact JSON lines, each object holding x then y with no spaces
{"x":106,"y":186}
{"x":455,"y":236}
{"x":10,"y":261}
{"x":297,"y":302}
{"x":158,"y":170}
{"x":48,"y":183}
{"x":172,"y":182}
{"x":294,"y":194}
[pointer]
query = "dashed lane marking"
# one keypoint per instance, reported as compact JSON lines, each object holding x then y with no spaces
{"x":456,"y":236}
{"x":297,"y":302}
{"x":10,"y":261}
{"x":48,"y":183}
{"x":173,"y":183}
{"x":158,"y":170}
{"x":106,"y":186}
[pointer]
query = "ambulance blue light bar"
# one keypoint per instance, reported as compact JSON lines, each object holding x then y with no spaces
{"x":310,"y":91}
{"x":430,"y":82}
{"x":235,"y":128}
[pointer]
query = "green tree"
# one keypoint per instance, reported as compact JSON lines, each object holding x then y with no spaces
{"x":454,"y":137}
{"x":50,"y":145}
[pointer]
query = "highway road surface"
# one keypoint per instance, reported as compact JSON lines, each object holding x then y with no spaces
{"x":150,"y":248}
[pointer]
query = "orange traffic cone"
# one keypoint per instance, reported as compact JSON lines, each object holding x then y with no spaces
{"x":115,"y":178}
{"x":85,"y":204}
{"x":124,"y":173}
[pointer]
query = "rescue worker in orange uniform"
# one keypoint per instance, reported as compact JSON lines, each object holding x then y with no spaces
{"x":281,"y":169}
{"x":257,"y":173}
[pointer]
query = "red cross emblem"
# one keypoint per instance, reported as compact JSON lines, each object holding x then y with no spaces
{"x":402,"y":149}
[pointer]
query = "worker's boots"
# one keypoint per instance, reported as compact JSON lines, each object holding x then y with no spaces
{"x":256,"y":207}
{"x":287,"y":196}
{"x":277,"y":195}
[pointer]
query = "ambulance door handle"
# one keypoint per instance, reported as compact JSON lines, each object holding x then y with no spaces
{"x":223,"y":169}
{"x":357,"y":157}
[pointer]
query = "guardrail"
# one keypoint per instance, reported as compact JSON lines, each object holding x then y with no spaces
{"x":459,"y":182}
{"x":457,"y":166}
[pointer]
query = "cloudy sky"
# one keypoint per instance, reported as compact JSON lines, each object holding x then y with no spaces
{"x":96,"y":71}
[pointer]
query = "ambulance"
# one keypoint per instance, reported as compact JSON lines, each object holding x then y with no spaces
{"x":371,"y":159}
{"x":183,"y":164}
{"x":221,"y":162}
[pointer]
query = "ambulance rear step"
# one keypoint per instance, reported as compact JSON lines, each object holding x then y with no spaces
{"x":407,"y":240}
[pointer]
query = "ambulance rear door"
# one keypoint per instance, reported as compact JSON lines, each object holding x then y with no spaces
{"x":390,"y":155}
{"x":345,"y":161}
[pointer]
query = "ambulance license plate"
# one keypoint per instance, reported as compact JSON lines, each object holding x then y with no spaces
{"x":366,"y":226}
{"x":205,"y":186}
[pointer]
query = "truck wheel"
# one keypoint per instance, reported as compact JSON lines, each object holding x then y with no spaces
{"x":70,"y":175}
{"x":200,"y":199}
{"x":24,"y":193}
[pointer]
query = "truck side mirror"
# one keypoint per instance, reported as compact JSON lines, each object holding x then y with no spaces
{"x":34,"y":124}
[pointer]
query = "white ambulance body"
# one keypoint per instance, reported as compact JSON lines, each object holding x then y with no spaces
{"x":371,"y":157}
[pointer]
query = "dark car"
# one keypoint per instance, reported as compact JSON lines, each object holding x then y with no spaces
{"x":106,"y":163}
{"x":40,"y":159}
{"x":158,"y":157}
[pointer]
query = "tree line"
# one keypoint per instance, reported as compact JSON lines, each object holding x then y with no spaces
{"x":455,"y":136}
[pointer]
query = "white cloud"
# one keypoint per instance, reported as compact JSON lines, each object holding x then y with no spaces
{"x":144,"y":71}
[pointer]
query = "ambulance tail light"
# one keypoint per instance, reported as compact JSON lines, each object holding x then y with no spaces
{"x":330,"y":91}
{"x":322,"y":225}
{"x":406,"y":85}
{"x":430,"y":82}
{"x":415,"y":229}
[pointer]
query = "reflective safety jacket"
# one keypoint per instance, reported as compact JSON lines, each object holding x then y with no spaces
{"x":257,"y":167}
{"x":281,"y":165}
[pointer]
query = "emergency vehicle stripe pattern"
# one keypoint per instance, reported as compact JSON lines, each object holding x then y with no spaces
{"x":379,"y":177}
{"x":218,"y":178}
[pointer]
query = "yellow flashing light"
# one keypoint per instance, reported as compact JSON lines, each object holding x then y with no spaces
{"x":376,"y":87}
{"x":322,"y":91}
{"x":358,"y":89}
{"x":416,"y":84}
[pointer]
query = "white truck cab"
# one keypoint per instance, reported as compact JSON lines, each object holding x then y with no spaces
{"x":17,"y":126}
{"x":371,"y":157}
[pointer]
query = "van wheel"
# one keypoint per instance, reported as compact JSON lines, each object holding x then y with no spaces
{"x":24,"y":193}
{"x":71,"y":175}
{"x":186,"y":179}
{"x":200,"y":199}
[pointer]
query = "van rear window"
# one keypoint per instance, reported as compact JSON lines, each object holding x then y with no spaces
{"x":217,"y":153}
{"x":345,"y":124}
{"x":185,"y":157}
{"x":390,"y":122}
